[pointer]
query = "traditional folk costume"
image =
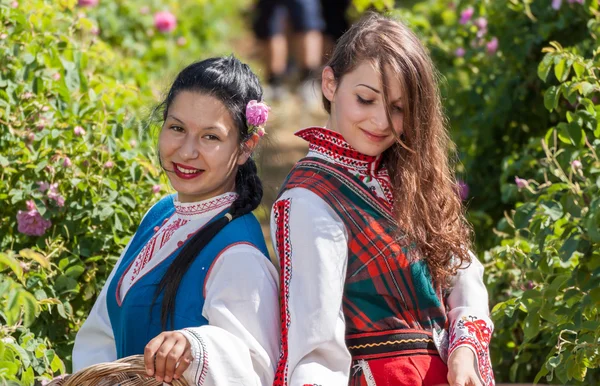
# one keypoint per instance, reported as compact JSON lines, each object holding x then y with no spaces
{"x":356,"y":302}
{"x":226,"y":305}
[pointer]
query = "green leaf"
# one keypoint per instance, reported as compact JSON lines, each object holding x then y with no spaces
{"x":12,"y":263}
{"x":28,"y":377}
{"x":562,"y":69}
{"x":30,"y":307}
{"x":551,"y":97}
{"x":33,"y":255}
{"x":552,"y":209}
{"x":576,"y":133}
{"x":545,"y":66}
{"x":579,"y":69}
{"x":75,"y":271}
{"x":569,"y":247}
{"x":523,"y":215}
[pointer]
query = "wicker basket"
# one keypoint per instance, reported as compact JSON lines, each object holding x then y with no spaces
{"x":129,"y":371}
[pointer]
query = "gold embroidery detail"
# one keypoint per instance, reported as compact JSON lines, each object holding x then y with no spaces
{"x":391,"y":342}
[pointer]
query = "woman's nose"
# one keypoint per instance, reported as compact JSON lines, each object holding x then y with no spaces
{"x":189,"y":149}
{"x":380,"y":120}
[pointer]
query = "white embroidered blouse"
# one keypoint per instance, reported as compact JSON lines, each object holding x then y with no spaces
{"x":240,"y":343}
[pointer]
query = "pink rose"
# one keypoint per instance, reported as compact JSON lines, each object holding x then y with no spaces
{"x":14,"y":4}
{"x":56,"y":76}
{"x":87,"y":3}
{"x":556,"y":4}
{"x":78,"y":131}
{"x":67,"y":162}
{"x":257,"y":113}
{"x":576,"y":164}
{"x":109,"y":165}
{"x":165,"y":21}
{"x":521,"y":183}
{"x":31,"y":222}
{"x":156,"y":189}
{"x":460,"y":52}
{"x":43,"y":186}
{"x":481,"y":23}
{"x":466,"y":15}
{"x":492,"y":46}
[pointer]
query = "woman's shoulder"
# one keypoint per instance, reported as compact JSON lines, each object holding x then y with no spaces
{"x":160,"y":210}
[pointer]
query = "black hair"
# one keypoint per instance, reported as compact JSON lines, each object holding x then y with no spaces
{"x":234,"y":84}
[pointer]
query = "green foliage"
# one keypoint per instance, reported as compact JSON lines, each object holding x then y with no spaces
{"x":76,"y":160}
{"x":549,"y":260}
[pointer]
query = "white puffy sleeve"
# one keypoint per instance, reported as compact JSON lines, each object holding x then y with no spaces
{"x":469,"y":317}
{"x":239,"y":346}
{"x":310,"y":242}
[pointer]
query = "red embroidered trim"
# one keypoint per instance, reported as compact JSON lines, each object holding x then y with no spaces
{"x":476,"y":333}
{"x":205,"y":206}
{"x":281,"y":212}
{"x":333,"y":147}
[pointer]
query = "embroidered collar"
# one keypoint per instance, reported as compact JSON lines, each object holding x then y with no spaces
{"x":202,"y":207}
{"x":333,"y":146}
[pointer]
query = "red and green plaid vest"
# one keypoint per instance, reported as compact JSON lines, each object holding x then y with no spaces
{"x":387,"y":286}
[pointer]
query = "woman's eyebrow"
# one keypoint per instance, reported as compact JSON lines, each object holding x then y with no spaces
{"x":369,"y":87}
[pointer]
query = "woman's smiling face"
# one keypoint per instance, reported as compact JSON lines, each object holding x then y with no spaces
{"x":357,"y":108}
{"x":199,"y":147}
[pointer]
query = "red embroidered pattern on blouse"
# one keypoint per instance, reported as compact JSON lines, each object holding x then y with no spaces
{"x":205,"y":206}
{"x":281,"y":212}
{"x":334,"y":147}
{"x":476,"y":333}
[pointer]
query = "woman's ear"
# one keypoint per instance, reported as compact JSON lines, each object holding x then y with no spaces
{"x":328,"y":83}
{"x":248,"y":148}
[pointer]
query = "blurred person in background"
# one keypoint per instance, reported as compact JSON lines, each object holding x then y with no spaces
{"x":306,"y":20}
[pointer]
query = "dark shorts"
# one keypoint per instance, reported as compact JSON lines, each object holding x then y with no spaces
{"x":334,"y":13}
{"x":270,"y":17}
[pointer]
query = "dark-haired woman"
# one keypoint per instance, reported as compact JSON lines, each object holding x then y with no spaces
{"x":194,"y":290}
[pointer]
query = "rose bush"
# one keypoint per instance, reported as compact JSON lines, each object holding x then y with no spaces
{"x":76,"y":162}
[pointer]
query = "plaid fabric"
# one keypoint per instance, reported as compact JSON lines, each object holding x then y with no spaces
{"x":387,"y":286}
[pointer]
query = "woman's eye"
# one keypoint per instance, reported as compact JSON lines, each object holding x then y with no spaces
{"x":177,"y":128}
{"x":364,"y":101}
{"x":211,"y":137}
{"x":398,"y":109}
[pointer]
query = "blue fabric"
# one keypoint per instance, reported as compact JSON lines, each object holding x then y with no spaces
{"x":136,"y":321}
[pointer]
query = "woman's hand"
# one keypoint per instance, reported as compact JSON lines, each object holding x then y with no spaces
{"x":462,"y":368}
{"x":167,"y":356}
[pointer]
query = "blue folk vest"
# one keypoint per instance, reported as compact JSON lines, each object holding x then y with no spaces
{"x":135,"y":320}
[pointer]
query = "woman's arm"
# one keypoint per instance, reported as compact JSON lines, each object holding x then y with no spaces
{"x":310,"y":243}
{"x":239,"y":346}
{"x":469,"y":318}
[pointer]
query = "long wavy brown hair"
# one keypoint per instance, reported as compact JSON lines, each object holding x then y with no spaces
{"x":427,"y":204}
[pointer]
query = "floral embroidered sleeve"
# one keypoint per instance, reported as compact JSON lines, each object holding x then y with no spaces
{"x":470,"y":323}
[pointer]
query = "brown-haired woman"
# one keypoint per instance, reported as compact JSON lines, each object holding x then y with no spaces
{"x":378,"y":285}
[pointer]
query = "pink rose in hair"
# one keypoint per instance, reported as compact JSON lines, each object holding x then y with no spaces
{"x":165,"y":21}
{"x":257,"y":113}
